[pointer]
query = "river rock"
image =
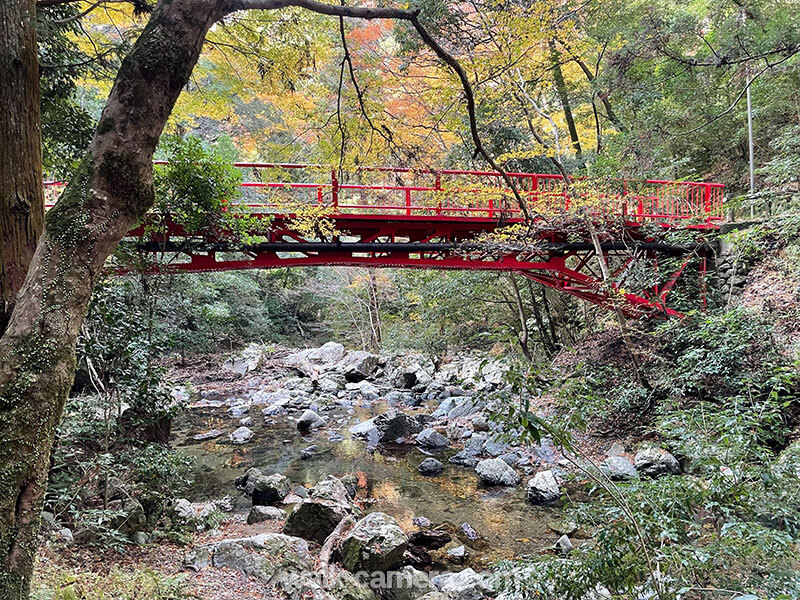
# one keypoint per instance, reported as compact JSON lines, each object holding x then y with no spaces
{"x":346,"y":587}
{"x":494,"y":471}
{"x":420,"y":521}
{"x":316,"y":517}
{"x":182,"y":514}
{"x":654,"y":462}
{"x":237,"y":411}
{"x":512,"y":459}
{"x":358,"y":365}
{"x":480,"y":422}
{"x":472,"y":449}
{"x":430,"y":467}
{"x":259,"y":514}
{"x":209,"y":435}
{"x":430,"y":438}
{"x":262,"y":556}
{"x":376,"y":543}
{"x":459,"y":553}
{"x":328,"y":353}
{"x":456,"y":407}
{"x":309,"y":452}
{"x":466,"y":585}
{"x":241,"y":435}
{"x":469,"y":531}
{"x":564,"y":545}
{"x":618,"y":468}
{"x":409,"y":584}
{"x":430,"y":539}
{"x":543,"y":489}
{"x":495,"y":446}
{"x":367,"y":390}
{"x":394,"y":424}
{"x":269,"y":490}
{"x":310,"y":420}
{"x":329,"y":384}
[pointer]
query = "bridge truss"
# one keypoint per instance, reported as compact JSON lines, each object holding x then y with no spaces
{"x":403,"y":218}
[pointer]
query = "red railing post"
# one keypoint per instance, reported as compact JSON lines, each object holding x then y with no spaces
{"x":408,"y":201}
{"x":491,"y":207}
{"x":438,"y":188}
{"x":334,"y":188}
{"x":624,"y":198}
{"x":707,"y":198}
{"x":319,"y":196}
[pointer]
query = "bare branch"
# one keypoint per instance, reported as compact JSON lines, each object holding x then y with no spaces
{"x":357,"y":12}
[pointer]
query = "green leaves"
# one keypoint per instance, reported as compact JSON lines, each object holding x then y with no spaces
{"x":197,"y":186}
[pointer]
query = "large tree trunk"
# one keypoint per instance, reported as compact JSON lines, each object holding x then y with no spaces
{"x":109,"y":194}
{"x":21,"y":196}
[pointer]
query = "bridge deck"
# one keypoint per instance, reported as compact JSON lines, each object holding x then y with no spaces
{"x":393,"y":217}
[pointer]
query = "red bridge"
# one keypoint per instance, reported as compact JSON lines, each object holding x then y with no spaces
{"x":390,"y":217}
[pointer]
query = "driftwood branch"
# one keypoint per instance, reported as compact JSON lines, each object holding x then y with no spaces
{"x":332,"y":542}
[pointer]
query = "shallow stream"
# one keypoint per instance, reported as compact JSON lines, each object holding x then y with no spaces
{"x":507,"y":524}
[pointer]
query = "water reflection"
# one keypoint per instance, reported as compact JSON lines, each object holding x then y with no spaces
{"x":507,"y":524}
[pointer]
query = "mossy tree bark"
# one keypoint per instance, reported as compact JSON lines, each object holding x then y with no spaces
{"x":21,"y":197}
{"x":110,"y":193}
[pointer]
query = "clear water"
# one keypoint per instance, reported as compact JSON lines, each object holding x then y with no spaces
{"x":508,"y":526}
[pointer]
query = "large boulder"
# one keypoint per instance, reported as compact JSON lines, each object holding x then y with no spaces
{"x":328,"y":353}
{"x":430,"y":438}
{"x":394,"y":424}
{"x":317,"y":516}
{"x":268,"y":490}
{"x":263,"y":556}
{"x":654,"y":462}
{"x":543,"y":489}
{"x":413,"y":371}
{"x":494,"y":471}
{"x":376,"y":543}
{"x":247,"y":361}
{"x":358,"y":365}
{"x":618,"y":468}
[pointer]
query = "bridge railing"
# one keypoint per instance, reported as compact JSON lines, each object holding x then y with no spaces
{"x":281,"y":188}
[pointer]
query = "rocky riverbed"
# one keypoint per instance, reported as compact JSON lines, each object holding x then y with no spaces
{"x":364,"y":464}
